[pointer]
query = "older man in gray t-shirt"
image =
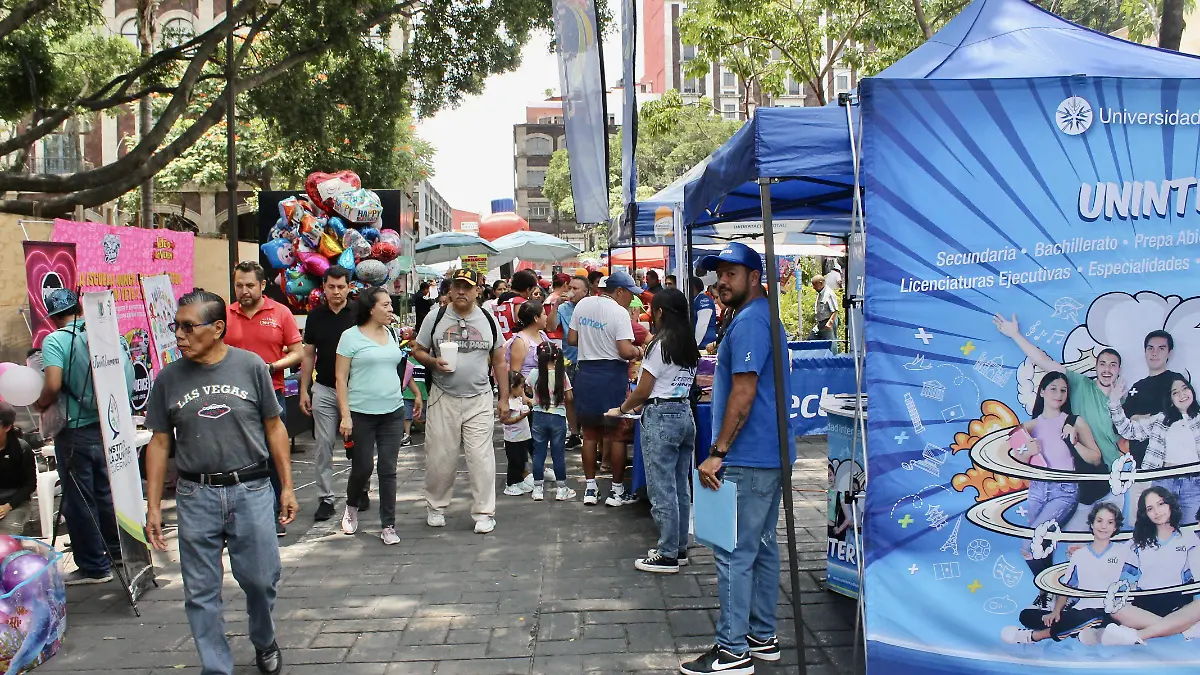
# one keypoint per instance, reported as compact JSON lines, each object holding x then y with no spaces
{"x":218,"y":406}
{"x":459,"y":412}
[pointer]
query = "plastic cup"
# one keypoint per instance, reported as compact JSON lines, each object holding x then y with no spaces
{"x":449,"y":351}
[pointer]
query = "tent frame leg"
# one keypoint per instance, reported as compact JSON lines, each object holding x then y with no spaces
{"x":779,"y":353}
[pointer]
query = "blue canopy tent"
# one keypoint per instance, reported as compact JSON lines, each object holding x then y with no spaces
{"x":781,"y":163}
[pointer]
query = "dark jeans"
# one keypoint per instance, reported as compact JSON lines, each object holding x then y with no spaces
{"x":372,"y":434}
{"x":276,"y":484}
{"x":518,"y":452}
{"x":87,"y":498}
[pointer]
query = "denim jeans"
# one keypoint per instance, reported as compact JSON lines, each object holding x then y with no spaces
{"x":373,"y":434}
{"x":1048,"y":500}
{"x":668,"y":445}
{"x":239,"y":517}
{"x":276,"y":484}
{"x":87,"y":498}
{"x":748,"y":577}
{"x":549,"y":431}
{"x":1187,"y":490}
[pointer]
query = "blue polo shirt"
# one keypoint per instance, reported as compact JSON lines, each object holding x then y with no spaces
{"x":747,"y":349}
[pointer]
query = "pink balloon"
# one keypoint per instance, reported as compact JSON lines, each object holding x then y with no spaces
{"x":5,"y":366}
{"x":8,"y":546}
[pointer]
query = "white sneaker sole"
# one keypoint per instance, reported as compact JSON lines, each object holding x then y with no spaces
{"x":656,"y":570}
{"x":766,"y":656}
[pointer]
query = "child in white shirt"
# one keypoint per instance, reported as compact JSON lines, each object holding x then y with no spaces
{"x":518,"y":440}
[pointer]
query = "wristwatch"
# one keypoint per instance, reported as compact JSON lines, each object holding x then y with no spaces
{"x":715,"y":452}
{"x":271,"y":368}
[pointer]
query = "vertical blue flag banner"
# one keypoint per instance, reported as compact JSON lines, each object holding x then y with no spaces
{"x":579,"y":69}
{"x":1032,"y":327}
{"x":629,"y":108}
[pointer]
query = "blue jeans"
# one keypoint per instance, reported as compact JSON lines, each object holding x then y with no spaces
{"x":209,"y":519}
{"x":1187,"y":490}
{"x":87,"y":498}
{"x":276,"y":484}
{"x":668,"y":441}
{"x":549,"y":431}
{"x":748,"y":577}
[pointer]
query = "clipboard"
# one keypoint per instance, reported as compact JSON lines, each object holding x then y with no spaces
{"x":714,"y":513}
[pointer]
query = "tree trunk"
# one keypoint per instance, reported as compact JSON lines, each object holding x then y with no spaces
{"x":145,"y":14}
{"x":1170,"y":32}
{"x":926,"y":30}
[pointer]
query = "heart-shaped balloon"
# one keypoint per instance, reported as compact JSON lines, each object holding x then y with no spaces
{"x":336,"y":225}
{"x":323,"y":187}
{"x":390,"y":236}
{"x":346,"y":260}
{"x":330,"y":247}
{"x":279,"y":253}
{"x":371,"y":272}
{"x":371,"y":234}
{"x":358,"y":206}
{"x":383,"y":251}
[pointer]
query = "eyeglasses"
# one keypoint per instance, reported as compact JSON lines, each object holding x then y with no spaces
{"x":186,"y":326}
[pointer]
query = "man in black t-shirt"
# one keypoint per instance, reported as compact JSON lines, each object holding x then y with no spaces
{"x":1148,"y":396}
{"x":322,"y":331}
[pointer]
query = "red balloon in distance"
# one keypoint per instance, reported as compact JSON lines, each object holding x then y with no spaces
{"x":323,"y":187}
{"x":496,"y":225}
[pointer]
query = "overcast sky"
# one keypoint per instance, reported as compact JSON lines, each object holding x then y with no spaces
{"x":474,"y":161}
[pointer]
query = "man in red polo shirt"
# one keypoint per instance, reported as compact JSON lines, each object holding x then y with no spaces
{"x":258,"y":324}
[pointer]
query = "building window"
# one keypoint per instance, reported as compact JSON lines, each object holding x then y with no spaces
{"x":793,"y":86}
{"x":843,"y":83}
{"x":175,"y":32}
{"x":691,"y":86}
{"x":689,"y":52}
{"x":729,"y":110}
{"x":728,"y":80}
{"x":535,"y":179}
{"x":129,"y":31}
{"x":539,"y":211}
{"x":539,"y":145}
{"x":60,"y":154}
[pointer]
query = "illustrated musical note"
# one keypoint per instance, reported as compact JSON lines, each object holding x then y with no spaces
{"x":1057,"y":337}
{"x":1033,"y":328}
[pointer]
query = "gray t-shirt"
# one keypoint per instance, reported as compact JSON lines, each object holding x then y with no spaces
{"x":475,"y":344}
{"x":215,"y":411}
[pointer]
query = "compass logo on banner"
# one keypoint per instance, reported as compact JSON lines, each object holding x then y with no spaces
{"x":1074,"y":116}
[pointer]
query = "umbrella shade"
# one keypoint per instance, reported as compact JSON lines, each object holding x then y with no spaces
{"x":533,"y":246}
{"x":647,"y":257}
{"x":447,"y":246}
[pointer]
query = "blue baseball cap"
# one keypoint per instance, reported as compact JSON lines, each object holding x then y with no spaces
{"x":619,"y":279}
{"x":736,"y":253}
{"x":60,"y":300}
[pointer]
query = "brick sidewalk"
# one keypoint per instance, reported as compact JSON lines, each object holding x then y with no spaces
{"x":552,"y":590}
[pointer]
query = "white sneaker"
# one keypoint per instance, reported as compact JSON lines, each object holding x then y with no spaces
{"x":550,"y":475}
{"x":1117,"y":635}
{"x":389,"y":536}
{"x":350,"y":520}
{"x":528,"y":482}
{"x":539,"y":493}
{"x":486,"y":525}
{"x":616,"y":499}
{"x":590,"y":496}
{"x":517,"y":490}
{"x":433,"y":519}
{"x":1090,"y":636}
{"x":564,"y":494}
{"x":1016,"y":636}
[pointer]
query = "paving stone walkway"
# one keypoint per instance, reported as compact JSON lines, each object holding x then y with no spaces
{"x":553,"y":590}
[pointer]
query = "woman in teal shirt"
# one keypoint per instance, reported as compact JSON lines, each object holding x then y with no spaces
{"x":371,"y":400}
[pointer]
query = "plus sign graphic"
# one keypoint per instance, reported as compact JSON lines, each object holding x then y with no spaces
{"x":923,"y":336}
{"x":974,"y":586}
{"x":1021,"y":511}
{"x":905,"y":521}
{"x":1133,"y":392}
{"x":901,"y":437}
{"x":967,"y":348}
{"x":913,"y":569}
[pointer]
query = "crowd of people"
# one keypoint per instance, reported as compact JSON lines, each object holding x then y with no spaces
{"x":515,"y":358}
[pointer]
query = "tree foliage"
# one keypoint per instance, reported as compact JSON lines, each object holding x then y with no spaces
{"x":280,"y":54}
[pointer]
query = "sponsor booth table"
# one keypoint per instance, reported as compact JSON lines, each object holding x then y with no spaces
{"x":1029,"y":330}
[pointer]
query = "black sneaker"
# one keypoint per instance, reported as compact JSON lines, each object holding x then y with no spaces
{"x":574,"y":441}
{"x":657,"y":563}
{"x":269,"y":660}
{"x":80,"y":578}
{"x":764,"y":650}
{"x":324,"y":511}
{"x":280,"y":530}
{"x":718,"y":661}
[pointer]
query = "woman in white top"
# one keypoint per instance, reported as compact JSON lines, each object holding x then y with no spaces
{"x":668,"y":429}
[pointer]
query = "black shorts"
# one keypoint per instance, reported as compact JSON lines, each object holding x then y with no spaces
{"x":1162,"y":604}
{"x":1069,"y":624}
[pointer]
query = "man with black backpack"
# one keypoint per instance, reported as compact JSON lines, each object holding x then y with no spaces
{"x":459,"y":347}
{"x":78,"y":448}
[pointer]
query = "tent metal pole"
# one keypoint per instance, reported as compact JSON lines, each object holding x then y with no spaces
{"x":779,"y":353}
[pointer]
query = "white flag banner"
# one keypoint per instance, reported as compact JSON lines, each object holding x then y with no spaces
{"x":116,"y":416}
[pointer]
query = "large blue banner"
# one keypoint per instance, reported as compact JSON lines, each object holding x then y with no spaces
{"x":812,"y":378}
{"x":1032,"y":324}
{"x":581,"y":76}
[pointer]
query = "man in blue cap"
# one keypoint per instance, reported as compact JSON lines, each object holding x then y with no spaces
{"x":79,"y":447}
{"x":746,"y":448}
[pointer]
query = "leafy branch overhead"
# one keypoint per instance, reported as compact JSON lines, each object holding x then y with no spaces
{"x":319,"y":71}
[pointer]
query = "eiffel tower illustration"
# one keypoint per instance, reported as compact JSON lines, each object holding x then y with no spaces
{"x":952,"y":543}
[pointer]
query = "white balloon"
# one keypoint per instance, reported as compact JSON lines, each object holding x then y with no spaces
{"x":21,"y":385}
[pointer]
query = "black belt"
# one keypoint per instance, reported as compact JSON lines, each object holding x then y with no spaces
{"x":665,"y":400}
{"x":229,"y":478}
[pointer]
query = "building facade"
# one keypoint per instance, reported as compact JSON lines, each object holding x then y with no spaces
{"x":665,"y":59}
{"x":433,"y":211}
